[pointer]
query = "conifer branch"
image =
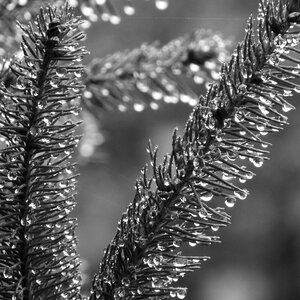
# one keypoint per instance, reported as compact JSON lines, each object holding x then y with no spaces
{"x":38,"y":246}
{"x":172,"y":206}
{"x":144,"y":76}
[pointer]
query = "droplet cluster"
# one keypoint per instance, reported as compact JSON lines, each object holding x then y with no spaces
{"x":185,"y":199}
{"x":152,"y":74}
{"x":108,"y":10}
{"x":37,"y":132}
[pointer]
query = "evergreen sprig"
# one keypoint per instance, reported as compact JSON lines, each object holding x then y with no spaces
{"x":38,"y":258}
{"x":150,"y":74}
{"x":172,"y":206}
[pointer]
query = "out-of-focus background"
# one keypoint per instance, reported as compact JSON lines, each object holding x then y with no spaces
{"x":259,"y":258}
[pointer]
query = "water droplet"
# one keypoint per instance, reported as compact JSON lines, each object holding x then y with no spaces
{"x":61,"y":72}
{"x":261,"y":127}
{"x":161,"y":246}
{"x":287,"y":93}
{"x":287,"y":107}
{"x":115,"y":19}
{"x":125,"y":281}
{"x":263,"y":109}
{"x":34,"y":204}
{"x":33,"y":131}
{"x":181,"y":293}
{"x":69,"y":236}
{"x":78,"y":74}
{"x":162,"y":4}
{"x":122,"y":107}
{"x":138,"y":107}
{"x":20,"y":84}
{"x":154,"y":105}
{"x":256,"y":161}
{"x":227,"y":176}
{"x":207,"y":196}
{"x":202,"y":213}
{"x":241,"y":194}
{"x":129,"y":10}
{"x":173,"y":294}
{"x":230,"y":201}
{"x":8,"y":273}
{"x":193,"y":243}
{"x":11,"y":175}
{"x":214,"y":228}
{"x":177,"y":243}
{"x":54,"y":82}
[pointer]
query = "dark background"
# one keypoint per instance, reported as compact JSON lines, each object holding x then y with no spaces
{"x":259,"y":258}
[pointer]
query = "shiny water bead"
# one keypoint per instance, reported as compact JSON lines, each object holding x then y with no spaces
{"x":177,"y":243}
{"x":61,"y":71}
{"x":193,"y":243}
{"x":139,"y":107}
{"x":162,"y":4}
{"x":122,"y":107}
{"x":230,"y":201}
{"x":8,"y":273}
{"x":181,"y":293}
{"x":173,"y":293}
{"x":256,"y":161}
{"x":20,"y":84}
{"x":263,"y":109}
{"x":129,"y":9}
{"x":12,"y":175}
{"x":214,"y":228}
{"x":33,"y":131}
{"x":242,"y":179}
{"x":125,"y":281}
{"x":287,"y":107}
{"x":54,"y":82}
{"x":261,"y":127}
{"x":34,"y":204}
{"x":207,"y":196}
{"x":162,"y":246}
{"x":241,"y":194}
{"x":114,"y":19}
{"x":154,"y":105}
{"x":227,"y":176}
{"x":78,"y":74}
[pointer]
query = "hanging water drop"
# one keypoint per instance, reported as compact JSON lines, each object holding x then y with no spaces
{"x":256,"y":161}
{"x":129,"y":9}
{"x":54,"y":82}
{"x":8,"y":273}
{"x":115,"y":20}
{"x":263,"y":109}
{"x":193,"y":243}
{"x":161,"y":246}
{"x":241,"y":194}
{"x":172,"y":294}
{"x":33,"y":131}
{"x":207,"y":196}
{"x":154,"y":105}
{"x":138,"y":107}
{"x":162,"y":4}
{"x":261,"y":127}
{"x":78,"y":74}
{"x":181,"y":293}
{"x":230,"y":201}
{"x":20,"y":84}
{"x":60,"y":71}
{"x":214,"y":228}
{"x":11,"y":175}
{"x":287,"y":107}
